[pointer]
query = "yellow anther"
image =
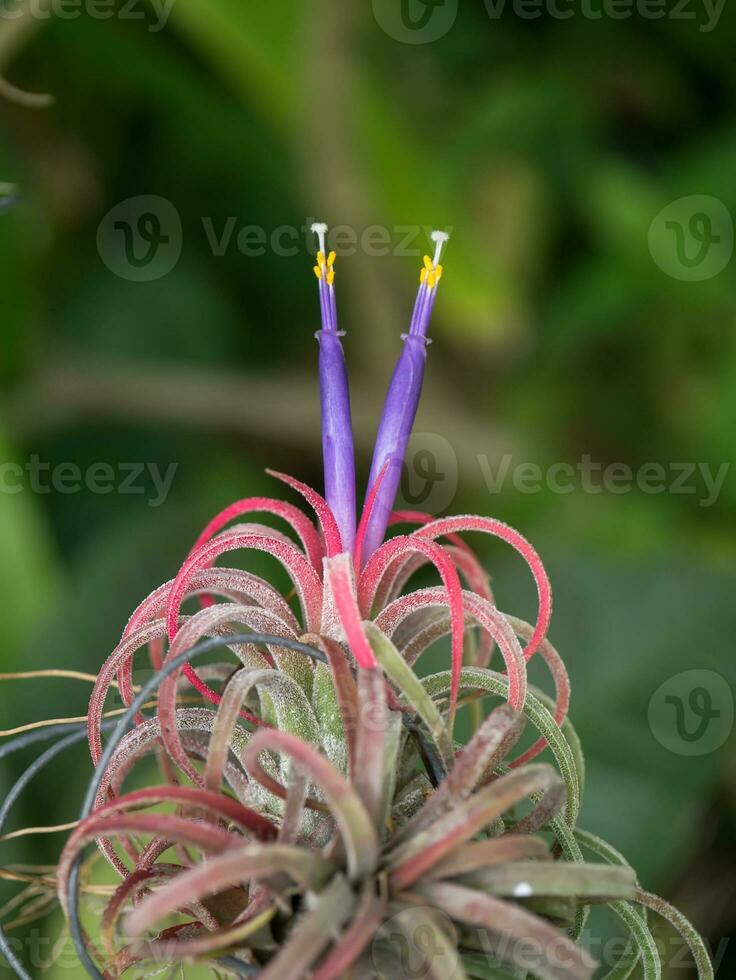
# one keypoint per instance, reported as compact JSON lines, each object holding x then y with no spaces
{"x":438,"y":272}
{"x":320,"y":258}
{"x":428,"y":263}
{"x":431,"y":279}
{"x":330,"y":277}
{"x":422,"y":276}
{"x":331,"y":259}
{"x":318,"y":272}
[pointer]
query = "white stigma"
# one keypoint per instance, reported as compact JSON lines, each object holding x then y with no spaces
{"x":320,"y":230}
{"x":440,"y":238}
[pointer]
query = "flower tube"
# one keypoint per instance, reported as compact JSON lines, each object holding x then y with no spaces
{"x":402,"y":401}
{"x":337,"y":429}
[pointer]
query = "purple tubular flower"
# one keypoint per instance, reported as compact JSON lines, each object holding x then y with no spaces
{"x":337,"y":428}
{"x":402,"y":401}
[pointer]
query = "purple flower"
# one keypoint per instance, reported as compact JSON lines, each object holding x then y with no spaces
{"x":402,"y":400}
{"x":399,"y":410}
{"x":337,"y":430}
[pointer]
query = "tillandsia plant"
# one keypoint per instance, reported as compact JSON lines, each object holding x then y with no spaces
{"x":315,"y":813}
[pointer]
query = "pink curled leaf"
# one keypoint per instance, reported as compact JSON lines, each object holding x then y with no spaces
{"x":299,"y":522}
{"x":362,"y":930}
{"x":420,"y":517}
{"x":304,"y":577}
{"x":233,"y":583}
{"x":484,"y":613}
{"x":322,"y":509}
{"x":365,"y":517}
{"x":202,"y":835}
{"x":414,"y":646}
{"x":206,"y":622}
{"x":217,"y":803}
{"x":561,"y":680}
{"x":424,"y":849}
{"x":228,"y":582}
{"x":489,"y":853}
{"x":251,"y":862}
{"x":452,"y":525}
{"x":122,"y":654}
{"x":373,"y":572}
{"x":357,"y":830}
{"x":559,"y":958}
{"x":293,"y":713}
{"x":367,"y":774}
{"x":339,"y":570}
{"x":128,"y":888}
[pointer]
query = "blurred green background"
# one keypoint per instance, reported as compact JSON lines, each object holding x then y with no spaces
{"x":572,"y":322}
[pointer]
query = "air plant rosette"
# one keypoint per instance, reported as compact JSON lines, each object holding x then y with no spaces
{"x":314,"y":813}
